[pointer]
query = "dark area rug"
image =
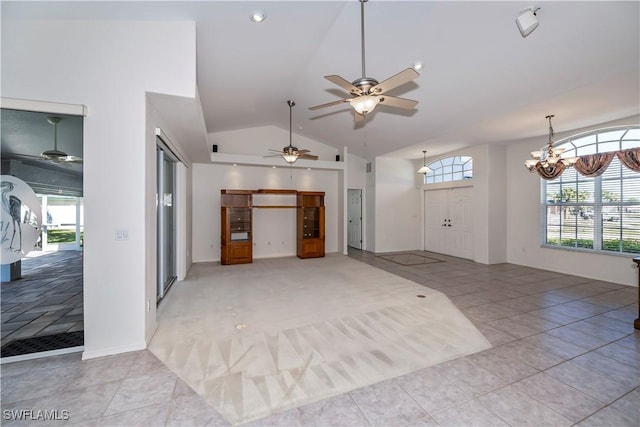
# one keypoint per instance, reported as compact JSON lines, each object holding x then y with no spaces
{"x":409,"y":259}
{"x":44,"y":343}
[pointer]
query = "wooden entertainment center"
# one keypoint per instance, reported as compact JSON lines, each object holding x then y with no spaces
{"x":237,"y":223}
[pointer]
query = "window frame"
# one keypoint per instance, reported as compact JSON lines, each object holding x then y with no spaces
{"x":457,"y":164}
{"x":629,"y":137}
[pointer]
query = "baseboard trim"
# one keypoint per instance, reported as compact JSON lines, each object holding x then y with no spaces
{"x":31,"y":356}
{"x":92,"y":354}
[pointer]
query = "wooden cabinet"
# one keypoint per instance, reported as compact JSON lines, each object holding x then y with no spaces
{"x":310,"y":224}
{"x":236,"y":227}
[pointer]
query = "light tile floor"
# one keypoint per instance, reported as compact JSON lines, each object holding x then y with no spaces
{"x":565,"y":353}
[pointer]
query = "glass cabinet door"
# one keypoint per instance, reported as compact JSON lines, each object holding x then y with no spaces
{"x":240,"y":224}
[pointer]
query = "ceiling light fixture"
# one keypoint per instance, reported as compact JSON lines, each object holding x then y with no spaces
{"x":527,"y":21}
{"x":258,"y":16}
{"x":367,"y":92}
{"x":290,"y":154}
{"x":424,"y":169}
{"x":364,"y":104}
{"x":549,"y":164}
{"x":417,"y":65}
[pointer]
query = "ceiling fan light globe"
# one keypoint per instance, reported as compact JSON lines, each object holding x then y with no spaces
{"x":424,"y":170}
{"x":290,"y":157}
{"x":364,"y":104}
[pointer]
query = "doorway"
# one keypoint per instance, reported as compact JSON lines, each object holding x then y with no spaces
{"x":42,"y":309}
{"x":448,"y":221}
{"x":166,"y":215}
{"x":354,"y":216}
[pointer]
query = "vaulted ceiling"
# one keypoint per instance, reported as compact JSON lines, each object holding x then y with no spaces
{"x":481,"y":82}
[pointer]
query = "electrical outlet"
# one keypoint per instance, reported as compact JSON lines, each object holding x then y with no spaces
{"x":148,"y":305}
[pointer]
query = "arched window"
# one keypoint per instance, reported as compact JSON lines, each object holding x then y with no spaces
{"x":449,"y":169}
{"x":601,"y":213}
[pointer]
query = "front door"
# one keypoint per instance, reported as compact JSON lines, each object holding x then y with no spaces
{"x":448,"y":221}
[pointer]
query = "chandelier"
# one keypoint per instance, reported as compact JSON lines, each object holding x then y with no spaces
{"x":549,"y":164}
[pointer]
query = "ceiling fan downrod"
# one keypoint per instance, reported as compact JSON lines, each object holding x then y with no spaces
{"x":291,"y":104}
{"x":362,"y":2}
{"x":54,"y":121}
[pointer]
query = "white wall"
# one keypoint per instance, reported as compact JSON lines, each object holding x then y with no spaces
{"x":274,"y":230}
{"x":523,"y":222}
{"x":356,"y":172}
{"x":497,"y":205}
{"x":107,"y":66}
{"x":369,"y":207}
{"x":397,"y":206}
{"x":257,"y":142}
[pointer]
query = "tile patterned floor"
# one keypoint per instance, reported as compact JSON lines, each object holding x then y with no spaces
{"x":565,"y":353}
{"x":48,"y":298}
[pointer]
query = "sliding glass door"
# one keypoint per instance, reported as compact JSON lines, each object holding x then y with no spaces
{"x":166,"y":232}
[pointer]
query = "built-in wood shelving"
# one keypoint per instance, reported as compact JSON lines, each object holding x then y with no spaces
{"x":237,"y":222}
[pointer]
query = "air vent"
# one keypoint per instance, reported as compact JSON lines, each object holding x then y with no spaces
{"x":368,"y":167}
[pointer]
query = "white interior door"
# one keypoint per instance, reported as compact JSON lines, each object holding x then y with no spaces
{"x":354,"y":214}
{"x":436,"y":213}
{"x":448,"y":221}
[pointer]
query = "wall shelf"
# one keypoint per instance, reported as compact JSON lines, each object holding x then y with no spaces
{"x":275,"y":191}
{"x":275,"y":206}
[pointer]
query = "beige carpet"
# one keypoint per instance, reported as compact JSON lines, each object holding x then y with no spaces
{"x":259,"y":338}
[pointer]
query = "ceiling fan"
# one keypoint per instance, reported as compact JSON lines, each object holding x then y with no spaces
{"x":290,"y":153}
{"x":55,"y":155}
{"x":366,"y":91}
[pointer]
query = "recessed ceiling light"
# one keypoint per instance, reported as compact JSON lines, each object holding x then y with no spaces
{"x":273,"y":167}
{"x":235,"y":164}
{"x":258,"y":16}
{"x":417,"y":65}
{"x":308,"y":169}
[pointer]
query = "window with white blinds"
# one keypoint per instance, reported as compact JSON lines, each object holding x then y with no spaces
{"x":595,"y":214}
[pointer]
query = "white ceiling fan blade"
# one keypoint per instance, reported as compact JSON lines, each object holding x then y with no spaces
{"x":344,"y":84}
{"x":393,"y":101}
{"x":328,"y":104}
{"x":394,"y":81}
